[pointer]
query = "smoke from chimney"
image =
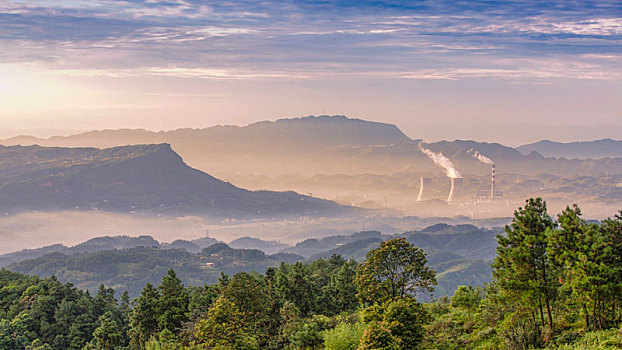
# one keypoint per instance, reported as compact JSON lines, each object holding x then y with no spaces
{"x":482,"y":158}
{"x":442,"y":161}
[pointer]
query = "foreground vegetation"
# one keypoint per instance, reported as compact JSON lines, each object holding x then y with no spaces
{"x":557,"y":285}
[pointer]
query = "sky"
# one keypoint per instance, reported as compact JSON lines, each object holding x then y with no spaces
{"x":503,"y":71}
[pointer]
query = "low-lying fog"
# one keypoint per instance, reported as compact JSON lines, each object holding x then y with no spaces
{"x":38,"y":229}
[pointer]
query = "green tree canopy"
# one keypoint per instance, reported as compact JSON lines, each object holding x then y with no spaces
{"x":223,"y":328}
{"x":108,"y":335}
{"x":396,"y":269}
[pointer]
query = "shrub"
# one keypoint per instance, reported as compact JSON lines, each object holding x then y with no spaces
{"x":344,"y":337}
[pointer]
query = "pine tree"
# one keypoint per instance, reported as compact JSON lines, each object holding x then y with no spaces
{"x":173,"y":303}
{"x":300,"y":289}
{"x":108,"y":335}
{"x":568,"y":248}
{"x":611,"y":229}
{"x":522,"y":267}
{"x":144,"y":318}
{"x":343,"y":287}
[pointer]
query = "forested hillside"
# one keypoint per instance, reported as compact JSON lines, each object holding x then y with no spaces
{"x":556,"y":285}
{"x":459,"y":254}
{"x":131,"y":269}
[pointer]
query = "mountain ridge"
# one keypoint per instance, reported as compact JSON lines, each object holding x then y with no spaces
{"x":110,"y":137}
{"x":363,"y":163}
{"x":596,"y":149}
{"x":148,"y":178}
{"x":328,"y":145}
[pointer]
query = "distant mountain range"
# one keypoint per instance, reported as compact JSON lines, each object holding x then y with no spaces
{"x":459,"y":254}
{"x":328,"y":145}
{"x":106,"y":243}
{"x":585,"y":149}
{"x":143,"y":178}
{"x":306,"y":132}
{"x":308,"y":144}
{"x":349,"y":161}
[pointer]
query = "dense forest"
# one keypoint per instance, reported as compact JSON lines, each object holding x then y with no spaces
{"x":557,"y":284}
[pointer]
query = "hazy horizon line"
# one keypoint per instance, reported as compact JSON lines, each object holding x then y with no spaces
{"x":49,"y":133}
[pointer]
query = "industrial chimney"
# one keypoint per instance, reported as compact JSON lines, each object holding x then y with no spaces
{"x":492,"y":184}
{"x":425,"y":182}
{"x":456,"y":185}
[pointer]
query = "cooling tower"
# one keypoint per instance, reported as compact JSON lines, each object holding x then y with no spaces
{"x":456,"y":186}
{"x":425,"y":182}
{"x":492,"y":184}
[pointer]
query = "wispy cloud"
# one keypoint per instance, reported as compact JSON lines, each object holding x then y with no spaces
{"x":301,"y":40}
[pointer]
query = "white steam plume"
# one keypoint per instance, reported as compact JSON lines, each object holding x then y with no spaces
{"x":440,"y":160}
{"x":482,"y":158}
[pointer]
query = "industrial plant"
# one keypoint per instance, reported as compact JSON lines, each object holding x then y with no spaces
{"x":456,"y":180}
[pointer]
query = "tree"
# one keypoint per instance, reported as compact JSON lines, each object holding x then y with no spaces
{"x":611,"y":231}
{"x":125,"y":311}
{"x":397,"y":323}
{"x":522,"y":267}
{"x":565,"y":243}
{"x":466,"y":297}
{"x":144,"y":318}
{"x":274,"y":303}
{"x":38,"y":345}
{"x":396,"y":269}
{"x":343,"y":287}
{"x":248,"y":293}
{"x":108,"y":335}
{"x":14,"y":335}
{"x":405,"y":318}
{"x":378,"y":336}
{"x":173,"y":303}
{"x":299,"y":288}
{"x":290,"y":324}
{"x":104,"y":301}
{"x":345,"y":336}
{"x":308,"y":334}
{"x":223,"y":328}
{"x":569,"y":250}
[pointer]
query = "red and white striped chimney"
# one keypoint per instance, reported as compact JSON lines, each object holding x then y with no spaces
{"x":492,"y":184}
